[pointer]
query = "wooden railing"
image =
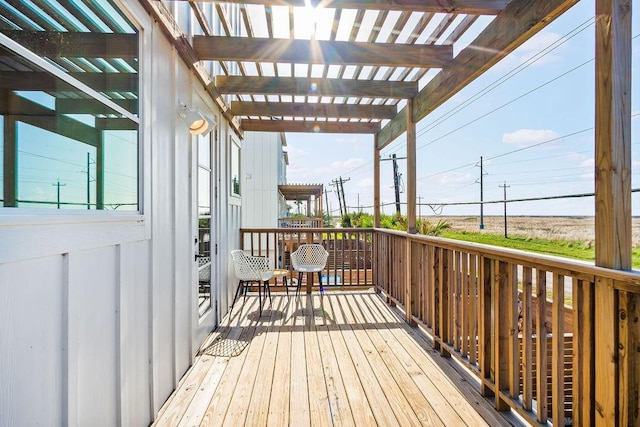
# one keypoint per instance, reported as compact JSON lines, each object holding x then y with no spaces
{"x":350,"y":252}
{"x":487,"y":306}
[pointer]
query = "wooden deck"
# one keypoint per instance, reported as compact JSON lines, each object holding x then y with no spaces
{"x":340,"y":359}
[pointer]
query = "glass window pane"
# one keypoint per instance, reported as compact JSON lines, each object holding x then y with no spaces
{"x":61,"y":147}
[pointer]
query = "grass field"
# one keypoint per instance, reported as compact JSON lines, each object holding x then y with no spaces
{"x":571,"y":237}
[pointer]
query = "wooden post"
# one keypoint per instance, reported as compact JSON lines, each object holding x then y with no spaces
{"x":613,"y":205}
{"x":376,"y":182}
{"x":613,"y":134}
{"x":411,"y":169}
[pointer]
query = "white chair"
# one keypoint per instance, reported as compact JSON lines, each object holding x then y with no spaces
{"x":309,"y":258}
{"x":250,"y":269}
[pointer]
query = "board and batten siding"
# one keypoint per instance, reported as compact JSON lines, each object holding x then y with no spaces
{"x":98,"y":318}
{"x":261,"y":152}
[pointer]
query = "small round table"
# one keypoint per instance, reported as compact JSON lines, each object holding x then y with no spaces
{"x":282,"y":273}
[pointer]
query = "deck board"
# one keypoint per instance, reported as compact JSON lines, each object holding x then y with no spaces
{"x":340,"y":359}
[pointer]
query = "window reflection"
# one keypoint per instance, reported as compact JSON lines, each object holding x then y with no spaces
{"x":204,"y":222}
{"x":63,"y":147}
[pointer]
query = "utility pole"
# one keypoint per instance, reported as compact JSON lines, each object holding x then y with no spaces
{"x":420,"y":207}
{"x":326,"y":199}
{"x":396,"y":180}
{"x":57,"y":184}
{"x":88,"y":181}
{"x":504,"y":187}
{"x":335,"y":184}
{"x":344,"y":202}
{"x":481,"y":196}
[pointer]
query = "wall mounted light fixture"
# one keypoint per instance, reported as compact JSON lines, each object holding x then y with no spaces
{"x":198,"y":123}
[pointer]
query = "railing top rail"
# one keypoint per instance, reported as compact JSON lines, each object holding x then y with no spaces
{"x":306,"y":230}
{"x":569,"y":267}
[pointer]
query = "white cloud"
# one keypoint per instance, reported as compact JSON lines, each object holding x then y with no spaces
{"x":528,"y":137}
{"x":455,"y":178}
{"x":365,"y":183}
{"x":342,"y":166}
{"x":588,"y":163}
{"x":529,"y":49}
{"x":538,"y":43}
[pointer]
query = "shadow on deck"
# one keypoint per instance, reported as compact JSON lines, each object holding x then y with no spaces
{"x":338,"y":359}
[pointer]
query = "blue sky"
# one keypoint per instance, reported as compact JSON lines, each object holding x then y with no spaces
{"x":546,"y":110}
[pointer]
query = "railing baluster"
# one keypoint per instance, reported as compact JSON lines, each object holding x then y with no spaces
{"x":465,"y":301}
{"x":583,"y":353}
{"x":514,"y":353}
{"x":541,"y":346}
{"x":557,"y":351}
{"x":486,"y":351}
{"x":502,"y":300}
{"x":527,"y":331}
{"x":473,"y":309}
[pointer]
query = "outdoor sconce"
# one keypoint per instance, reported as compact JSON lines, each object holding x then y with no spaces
{"x":198,"y":123}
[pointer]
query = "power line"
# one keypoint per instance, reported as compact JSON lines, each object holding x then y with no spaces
{"x":505,"y":78}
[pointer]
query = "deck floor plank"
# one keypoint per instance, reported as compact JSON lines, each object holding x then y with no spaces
{"x":409,"y":356}
{"x":343,"y":358}
{"x":258,"y":410}
{"x":278,"y":410}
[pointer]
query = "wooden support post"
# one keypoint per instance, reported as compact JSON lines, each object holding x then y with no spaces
{"x":613,"y":134}
{"x":411,"y":169}
{"x":376,"y":182}
{"x":613,"y":205}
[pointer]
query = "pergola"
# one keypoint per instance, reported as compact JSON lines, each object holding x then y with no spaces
{"x":385,"y":72}
{"x":364,"y":81}
{"x":304,"y":193}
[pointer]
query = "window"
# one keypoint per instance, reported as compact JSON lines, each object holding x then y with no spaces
{"x":63,"y":145}
{"x":205,"y":174}
{"x":235,"y":167}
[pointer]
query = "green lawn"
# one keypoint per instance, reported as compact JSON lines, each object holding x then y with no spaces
{"x":576,"y":250}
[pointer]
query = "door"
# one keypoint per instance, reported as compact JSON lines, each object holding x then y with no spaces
{"x":204,"y":240}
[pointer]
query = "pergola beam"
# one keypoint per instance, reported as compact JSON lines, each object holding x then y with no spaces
{"x":41,"y":81}
{"x":474,"y":7}
{"x":325,"y":52}
{"x":518,"y":22}
{"x":309,"y":126}
{"x":92,"y":106}
{"x":291,"y":109}
{"x":78,"y":44}
{"x":315,"y":87}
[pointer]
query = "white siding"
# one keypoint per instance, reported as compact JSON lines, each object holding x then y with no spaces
{"x":97,"y":314}
{"x":261,"y":158}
